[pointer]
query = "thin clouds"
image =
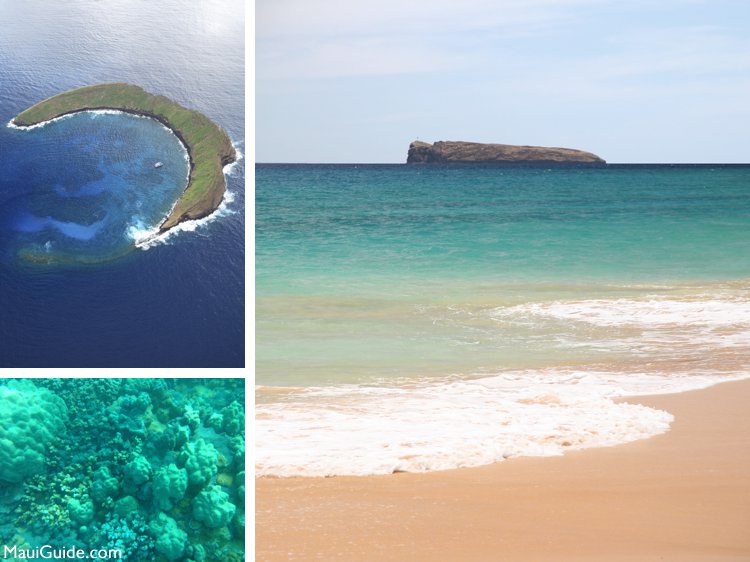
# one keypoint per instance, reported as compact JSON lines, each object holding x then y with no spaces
{"x":678,"y":51}
{"x":334,"y":38}
{"x":353,"y":57}
{"x":331,"y":18}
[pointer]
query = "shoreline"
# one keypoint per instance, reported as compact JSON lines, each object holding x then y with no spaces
{"x":460,"y":423}
{"x":184,"y":209}
{"x":683,"y":495}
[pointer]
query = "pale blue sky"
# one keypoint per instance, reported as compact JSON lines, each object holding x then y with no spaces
{"x":631,"y":80}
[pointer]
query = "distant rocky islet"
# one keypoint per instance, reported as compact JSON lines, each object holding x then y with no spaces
{"x":460,"y":152}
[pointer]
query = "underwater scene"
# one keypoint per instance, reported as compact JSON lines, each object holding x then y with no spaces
{"x":128,"y":469}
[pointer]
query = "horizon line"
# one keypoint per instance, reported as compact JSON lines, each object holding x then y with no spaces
{"x":503,"y":164}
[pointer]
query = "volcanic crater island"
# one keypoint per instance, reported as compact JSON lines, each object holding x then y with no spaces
{"x":208,"y":145}
{"x":460,"y":152}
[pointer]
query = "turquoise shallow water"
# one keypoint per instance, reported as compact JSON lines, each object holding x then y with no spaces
{"x":388,"y":271}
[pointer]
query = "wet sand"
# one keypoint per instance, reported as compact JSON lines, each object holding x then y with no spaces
{"x":682,"y":496}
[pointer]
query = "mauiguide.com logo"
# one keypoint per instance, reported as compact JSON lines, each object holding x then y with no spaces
{"x":47,"y":552}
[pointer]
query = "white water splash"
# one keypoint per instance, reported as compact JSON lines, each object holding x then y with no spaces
{"x":647,"y":312}
{"x":229,"y":168}
{"x":362,"y":430}
{"x":148,"y":237}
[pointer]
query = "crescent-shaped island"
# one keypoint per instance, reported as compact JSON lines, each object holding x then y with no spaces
{"x":208,"y":145}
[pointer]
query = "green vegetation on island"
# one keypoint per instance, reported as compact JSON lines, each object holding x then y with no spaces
{"x":209,"y":147}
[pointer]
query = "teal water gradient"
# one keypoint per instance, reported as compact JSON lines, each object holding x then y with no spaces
{"x":366,"y":273}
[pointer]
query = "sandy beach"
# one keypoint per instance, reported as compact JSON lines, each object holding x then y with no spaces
{"x":681,"y":496}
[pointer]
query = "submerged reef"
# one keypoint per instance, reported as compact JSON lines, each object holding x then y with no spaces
{"x":152,"y":467}
{"x":31,"y":419}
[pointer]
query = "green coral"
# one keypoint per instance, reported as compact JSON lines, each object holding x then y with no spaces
{"x":170,"y":539}
{"x":81,"y":512}
{"x":231,"y":419}
{"x":200,"y":459}
{"x":213,"y":508}
{"x":105,"y":486}
{"x":137,"y":472}
{"x":102,"y":479}
{"x":241,"y":487}
{"x":170,"y":484}
{"x":31,"y":420}
{"x":126,"y":505}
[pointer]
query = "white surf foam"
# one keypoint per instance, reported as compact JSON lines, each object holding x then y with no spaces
{"x":357,"y":430}
{"x":92,"y":112}
{"x":708,"y":311}
{"x":683,"y":341}
{"x":644,"y":325}
{"x":229,"y":168}
{"x":147,"y":237}
{"x":12,"y":125}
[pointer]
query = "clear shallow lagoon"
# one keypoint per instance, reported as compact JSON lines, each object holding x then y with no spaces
{"x":80,"y":190}
{"x":418,"y":318}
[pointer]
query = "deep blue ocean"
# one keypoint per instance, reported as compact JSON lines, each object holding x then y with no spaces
{"x":76,"y":194}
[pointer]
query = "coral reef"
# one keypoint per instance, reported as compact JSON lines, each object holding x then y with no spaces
{"x":171,"y":540}
{"x":151,"y":467}
{"x":30,"y":420}
{"x":169,"y":486}
{"x":200,"y":460}
{"x":212,"y":507}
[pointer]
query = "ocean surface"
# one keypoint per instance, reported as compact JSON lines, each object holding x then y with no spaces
{"x":416,"y":318}
{"x":79,"y":284}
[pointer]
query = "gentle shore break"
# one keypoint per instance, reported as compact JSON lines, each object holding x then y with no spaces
{"x":209,"y":147}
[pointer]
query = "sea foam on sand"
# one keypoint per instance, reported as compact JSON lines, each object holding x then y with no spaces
{"x":360,"y":430}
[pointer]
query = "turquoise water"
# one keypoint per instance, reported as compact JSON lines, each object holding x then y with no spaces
{"x":429,"y":318}
{"x":150,"y":468}
{"x":375,"y":272}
